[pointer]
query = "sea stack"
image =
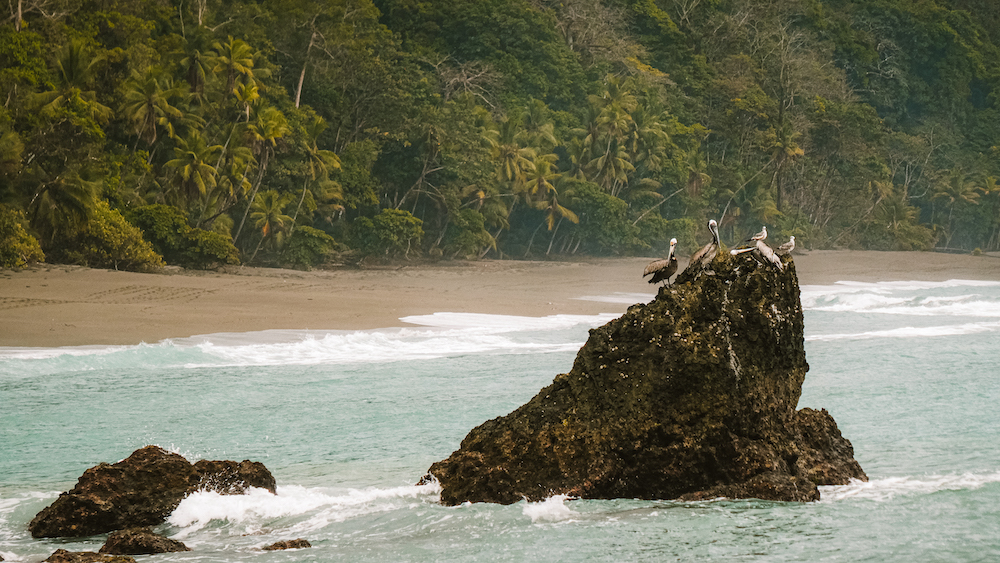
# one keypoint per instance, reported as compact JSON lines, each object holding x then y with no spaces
{"x":690,"y":396}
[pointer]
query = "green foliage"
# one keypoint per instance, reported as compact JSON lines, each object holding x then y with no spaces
{"x":467,"y":235}
{"x":355,"y":176}
{"x":604,"y":223}
{"x":109,"y":241}
{"x":391,"y":233}
{"x":207,"y":249}
{"x":307,"y":247}
{"x":168,"y":231}
{"x":17,"y":247}
{"x":492,"y":121}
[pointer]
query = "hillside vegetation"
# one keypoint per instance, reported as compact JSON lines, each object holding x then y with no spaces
{"x":295,"y":133}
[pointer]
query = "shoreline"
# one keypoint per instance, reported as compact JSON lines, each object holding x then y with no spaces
{"x":52,"y":305}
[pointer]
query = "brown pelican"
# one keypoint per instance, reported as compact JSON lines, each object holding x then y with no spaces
{"x":762,"y":253}
{"x":707,"y":254}
{"x":662,"y":269}
{"x":759,"y":236}
{"x":788,"y":247}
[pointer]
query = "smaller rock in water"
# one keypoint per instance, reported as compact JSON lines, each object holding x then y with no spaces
{"x":141,"y":490}
{"x":231,"y":478}
{"x":63,"y":556}
{"x":288,"y":544}
{"x":140,"y":541}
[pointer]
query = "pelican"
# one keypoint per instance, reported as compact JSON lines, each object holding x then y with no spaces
{"x":788,"y":247}
{"x":759,"y":236}
{"x":764,"y":252}
{"x":662,"y":269}
{"x":761,"y":253}
{"x":704,"y":257}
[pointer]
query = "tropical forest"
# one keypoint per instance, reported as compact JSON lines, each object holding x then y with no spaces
{"x":308,"y":133}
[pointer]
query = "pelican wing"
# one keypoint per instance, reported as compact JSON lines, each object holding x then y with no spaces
{"x":656,"y":266}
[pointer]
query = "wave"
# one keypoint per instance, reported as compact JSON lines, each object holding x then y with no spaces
{"x":507,"y":323}
{"x":552,"y":509}
{"x":911,"y":332}
{"x":619,"y":297}
{"x":307,"y":509}
{"x":881,"y":490}
{"x":442,"y":335}
{"x":949,"y":298}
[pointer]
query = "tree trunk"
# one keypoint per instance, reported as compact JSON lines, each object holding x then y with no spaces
{"x":554,"y":231}
{"x":302,"y":75}
{"x":532,"y":239}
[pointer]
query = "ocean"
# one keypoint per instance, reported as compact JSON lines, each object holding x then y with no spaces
{"x":348,"y":422}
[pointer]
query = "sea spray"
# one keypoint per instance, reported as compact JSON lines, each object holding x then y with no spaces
{"x":314,"y":508}
{"x":552,"y":509}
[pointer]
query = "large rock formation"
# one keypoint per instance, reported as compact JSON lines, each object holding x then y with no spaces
{"x":141,"y":490}
{"x":690,"y":396}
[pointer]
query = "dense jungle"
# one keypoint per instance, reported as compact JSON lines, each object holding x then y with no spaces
{"x":303,"y":133}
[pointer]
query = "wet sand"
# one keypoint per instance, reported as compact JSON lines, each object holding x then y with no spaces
{"x":56,"y":305}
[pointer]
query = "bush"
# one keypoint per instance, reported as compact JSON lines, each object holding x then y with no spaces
{"x":167,"y":229}
{"x":390,"y":233}
{"x":308,"y":246}
{"x":604,"y":225}
{"x":17,"y":247}
{"x":467,"y":235}
{"x":109,"y":241}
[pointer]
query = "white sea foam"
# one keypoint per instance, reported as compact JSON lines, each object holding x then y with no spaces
{"x":440,"y":335}
{"x":911,"y":332}
{"x":619,"y":297}
{"x":974,"y":298}
{"x":881,"y":490}
{"x":248,"y":513}
{"x":552,"y":509}
{"x":506,"y":323}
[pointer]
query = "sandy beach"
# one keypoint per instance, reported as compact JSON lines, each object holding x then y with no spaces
{"x":57,"y":305}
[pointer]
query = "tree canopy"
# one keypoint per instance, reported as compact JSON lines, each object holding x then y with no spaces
{"x":286,"y":133}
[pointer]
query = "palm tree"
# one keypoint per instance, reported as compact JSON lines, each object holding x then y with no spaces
{"x":957,"y":190}
{"x":538,"y":129}
{"x":147,"y":105}
{"x":611,"y":168}
{"x":74,"y":70}
{"x":234,"y":59}
{"x":63,"y":205}
{"x":539,"y":181}
{"x":513,"y":159}
{"x":194,"y":175}
{"x":319,"y":163}
{"x":267,"y":125}
{"x":269,"y":218}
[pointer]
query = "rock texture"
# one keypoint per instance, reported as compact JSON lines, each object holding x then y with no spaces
{"x":288,"y":544}
{"x":141,"y":490}
{"x":140,"y":541}
{"x":690,"y":396}
{"x":63,"y":556}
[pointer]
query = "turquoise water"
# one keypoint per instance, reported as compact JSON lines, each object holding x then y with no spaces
{"x":348,"y":421}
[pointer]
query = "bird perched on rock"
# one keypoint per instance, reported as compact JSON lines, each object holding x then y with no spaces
{"x":788,"y":247}
{"x":704,"y":257}
{"x":663,"y":269}
{"x":759,"y":236}
{"x":762,"y":253}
